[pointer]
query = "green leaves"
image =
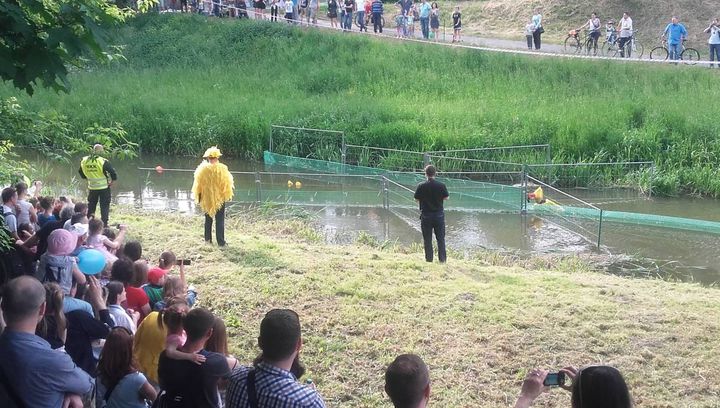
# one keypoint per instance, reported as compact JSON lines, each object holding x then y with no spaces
{"x":39,"y":38}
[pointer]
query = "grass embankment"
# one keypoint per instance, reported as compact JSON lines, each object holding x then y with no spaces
{"x":191,"y":81}
{"x":479,"y":327}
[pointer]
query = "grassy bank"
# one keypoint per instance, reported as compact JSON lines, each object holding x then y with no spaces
{"x":479,"y":327}
{"x":189,"y":81}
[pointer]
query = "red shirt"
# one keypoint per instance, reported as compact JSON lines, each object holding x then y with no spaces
{"x":136,"y":299}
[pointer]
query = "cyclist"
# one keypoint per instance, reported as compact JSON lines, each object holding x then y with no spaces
{"x":676,"y":34}
{"x":626,"y":33}
{"x":593,"y":25}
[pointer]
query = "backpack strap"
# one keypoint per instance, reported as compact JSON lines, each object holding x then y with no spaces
{"x":251,"y":390}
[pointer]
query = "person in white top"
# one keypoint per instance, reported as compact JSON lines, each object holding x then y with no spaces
{"x":593,"y":26}
{"x":116,"y":295}
{"x":626,"y":33}
{"x":714,"y":41}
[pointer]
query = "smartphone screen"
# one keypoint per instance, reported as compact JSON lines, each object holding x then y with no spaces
{"x":183,"y":262}
{"x":554,"y":379}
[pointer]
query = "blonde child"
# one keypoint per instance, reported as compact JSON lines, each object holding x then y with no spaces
{"x":175,"y":287}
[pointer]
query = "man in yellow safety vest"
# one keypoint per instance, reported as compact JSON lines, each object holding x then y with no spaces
{"x":100,"y":175}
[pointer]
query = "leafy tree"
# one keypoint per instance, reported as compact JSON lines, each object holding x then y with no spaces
{"x":39,"y":39}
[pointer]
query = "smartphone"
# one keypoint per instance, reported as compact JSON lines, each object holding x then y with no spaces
{"x":183,"y":262}
{"x":554,"y":379}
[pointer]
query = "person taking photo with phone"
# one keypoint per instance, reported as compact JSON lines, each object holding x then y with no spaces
{"x":591,"y":387}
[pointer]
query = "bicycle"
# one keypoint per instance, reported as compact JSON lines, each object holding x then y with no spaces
{"x":574,"y":42}
{"x":632,"y":47}
{"x":687,"y":54}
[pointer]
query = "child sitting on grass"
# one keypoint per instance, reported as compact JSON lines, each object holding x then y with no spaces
{"x":176,"y":287}
{"x":154,"y":289}
{"x":172,"y":319}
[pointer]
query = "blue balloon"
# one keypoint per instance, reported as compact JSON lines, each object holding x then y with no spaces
{"x":91,"y":261}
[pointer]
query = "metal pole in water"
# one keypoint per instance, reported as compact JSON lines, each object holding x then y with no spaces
{"x":258,"y":187}
{"x":600,"y":228}
{"x":386,"y":197}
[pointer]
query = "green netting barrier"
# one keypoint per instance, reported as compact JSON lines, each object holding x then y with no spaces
{"x":652,"y":220}
{"x":399,"y":188}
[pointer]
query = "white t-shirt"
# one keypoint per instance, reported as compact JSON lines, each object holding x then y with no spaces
{"x":626,"y":27}
{"x":714,"y":35}
{"x":121,"y":318}
{"x":23,"y":217}
{"x":289,"y":7}
{"x":593,"y":25}
{"x":360,"y":5}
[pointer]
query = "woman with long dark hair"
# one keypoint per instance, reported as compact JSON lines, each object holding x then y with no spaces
{"x":124,"y":386}
{"x":598,"y":386}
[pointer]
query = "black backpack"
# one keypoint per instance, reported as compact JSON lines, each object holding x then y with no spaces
{"x":304,"y":4}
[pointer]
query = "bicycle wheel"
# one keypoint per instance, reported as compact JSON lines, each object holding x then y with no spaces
{"x":590,"y":48}
{"x":608,"y":49}
{"x":659,"y":53}
{"x":637,"y":49}
{"x":690,"y":55}
{"x":572,"y":45}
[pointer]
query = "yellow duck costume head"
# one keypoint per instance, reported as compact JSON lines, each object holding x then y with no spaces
{"x":213,"y":184}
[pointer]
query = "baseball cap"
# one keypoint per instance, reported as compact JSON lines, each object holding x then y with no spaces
{"x":155,"y":275}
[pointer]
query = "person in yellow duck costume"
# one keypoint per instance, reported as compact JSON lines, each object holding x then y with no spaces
{"x":212,"y":188}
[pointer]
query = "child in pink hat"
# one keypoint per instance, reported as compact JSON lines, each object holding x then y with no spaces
{"x":56,"y":264}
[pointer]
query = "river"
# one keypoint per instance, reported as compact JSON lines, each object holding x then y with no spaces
{"x":630,"y":249}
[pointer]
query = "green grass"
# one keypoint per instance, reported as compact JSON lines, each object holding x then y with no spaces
{"x":189,"y":82}
{"x":479,"y":326}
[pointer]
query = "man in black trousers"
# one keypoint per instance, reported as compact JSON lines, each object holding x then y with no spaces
{"x":431,"y":194}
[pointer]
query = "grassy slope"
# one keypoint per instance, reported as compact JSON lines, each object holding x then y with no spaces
{"x":477,"y":326}
{"x":506,"y":18}
{"x":190,"y":81}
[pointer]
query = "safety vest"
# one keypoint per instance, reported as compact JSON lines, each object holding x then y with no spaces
{"x":93,"y":170}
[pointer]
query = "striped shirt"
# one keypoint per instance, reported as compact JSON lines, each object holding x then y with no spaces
{"x":275,"y":387}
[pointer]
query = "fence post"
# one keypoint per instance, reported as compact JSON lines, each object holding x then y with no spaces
{"x":548,"y":154}
{"x":600,"y":228}
{"x":652,"y":179}
{"x":343,"y":152}
{"x":258,"y":187}
{"x":426,"y":159}
{"x":386,"y":197}
{"x":524,"y":184}
{"x":270,"y":147}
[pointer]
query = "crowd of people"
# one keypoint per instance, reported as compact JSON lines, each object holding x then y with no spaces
{"x":132,"y":334}
{"x":341,"y":14}
{"x":674,"y":34}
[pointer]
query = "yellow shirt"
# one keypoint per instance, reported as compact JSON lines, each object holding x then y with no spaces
{"x":149,"y":343}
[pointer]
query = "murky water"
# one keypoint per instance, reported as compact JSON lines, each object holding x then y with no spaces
{"x":341,"y":209}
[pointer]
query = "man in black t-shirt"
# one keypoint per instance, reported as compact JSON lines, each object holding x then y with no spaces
{"x":431,"y":194}
{"x":185,"y":383}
